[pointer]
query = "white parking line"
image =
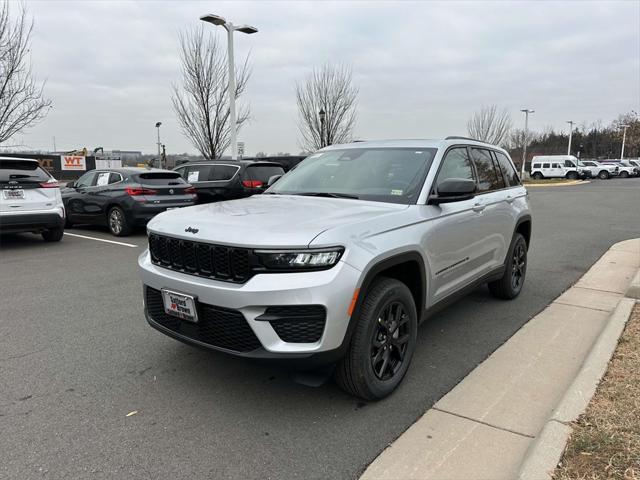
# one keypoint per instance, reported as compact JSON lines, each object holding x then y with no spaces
{"x":101,"y":240}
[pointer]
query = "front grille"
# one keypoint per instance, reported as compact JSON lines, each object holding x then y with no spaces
{"x":296,"y":323}
{"x":229,"y":264}
{"x":217,"y":326}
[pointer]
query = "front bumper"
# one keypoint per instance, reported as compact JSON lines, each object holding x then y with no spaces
{"x":332,"y":289}
{"x":31,"y":221}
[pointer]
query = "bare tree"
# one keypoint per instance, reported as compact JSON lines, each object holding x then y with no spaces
{"x":201,"y":103}
{"x":21,"y":99}
{"x":490,"y":125}
{"x":328,"y":89}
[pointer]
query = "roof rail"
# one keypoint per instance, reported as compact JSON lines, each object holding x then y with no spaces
{"x":456,"y":137}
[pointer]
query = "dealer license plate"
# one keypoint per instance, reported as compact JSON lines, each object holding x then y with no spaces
{"x":180,"y":305}
{"x":13,"y":194}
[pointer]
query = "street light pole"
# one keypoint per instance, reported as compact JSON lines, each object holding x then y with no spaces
{"x":624,"y":137}
{"x":570,"y":122}
{"x":526,"y":111}
{"x":159,"y":157}
{"x":231,"y":89}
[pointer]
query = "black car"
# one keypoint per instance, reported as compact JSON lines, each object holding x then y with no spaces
{"x":287,"y":162}
{"x":122,"y":198}
{"x":216,"y":180}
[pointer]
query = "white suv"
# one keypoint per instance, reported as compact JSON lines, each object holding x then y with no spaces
{"x":30,"y":199}
{"x":341,"y":258}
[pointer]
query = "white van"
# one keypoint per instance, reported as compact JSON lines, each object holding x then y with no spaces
{"x":556,"y":166}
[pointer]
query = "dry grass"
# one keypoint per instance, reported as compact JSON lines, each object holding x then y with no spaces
{"x":605,"y":443}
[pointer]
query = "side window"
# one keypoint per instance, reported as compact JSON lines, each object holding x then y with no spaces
{"x":556,"y":165}
{"x":455,"y":165}
{"x":198,"y":173}
{"x":545,"y":165}
{"x":181,"y":171}
{"x":536,"y":165}
{"x":86,"y":180}
{"x":102,"y":179}
{"x":488,"y":178}
{"x":508,"y":170}
{"x":115,"y":178}
{"x":222,"y":172}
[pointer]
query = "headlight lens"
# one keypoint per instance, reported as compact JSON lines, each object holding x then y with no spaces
{"x":319,"y":259}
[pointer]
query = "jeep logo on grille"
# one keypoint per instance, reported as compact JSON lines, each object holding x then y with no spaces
{"x":191,"y":230}
{"x":171,"y":191}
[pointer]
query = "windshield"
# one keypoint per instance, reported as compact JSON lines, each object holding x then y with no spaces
{"x":392,"y":175}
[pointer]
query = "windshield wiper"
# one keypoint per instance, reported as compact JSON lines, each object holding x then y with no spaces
{"x":327,"y":194}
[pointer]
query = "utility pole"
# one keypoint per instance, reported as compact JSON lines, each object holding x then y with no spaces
{"x":624,"y":137}
{"x":570,"y":122}
{"x":159,"y":144}
{"x":526,"y":111}
{"x":54,"y":144}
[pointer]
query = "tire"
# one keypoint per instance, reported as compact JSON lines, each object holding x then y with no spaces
{"x":572,"y":175}
{"x":538,"y":176}
{"x":53,"y":234}
{"x":117,"y":222}
{"x":624,"y":174}
{"x":603,"y":175}
{"x":510,"y":285}
{"x":381,"y":348}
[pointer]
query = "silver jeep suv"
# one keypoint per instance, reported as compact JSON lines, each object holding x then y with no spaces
{"x":340,"y":259}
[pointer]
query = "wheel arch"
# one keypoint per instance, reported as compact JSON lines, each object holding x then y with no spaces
{"x":523,"y":226}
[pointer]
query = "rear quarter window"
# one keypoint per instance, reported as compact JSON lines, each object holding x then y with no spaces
{"x":22,"y":171}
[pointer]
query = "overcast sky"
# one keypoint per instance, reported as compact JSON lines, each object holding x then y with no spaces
{"x":422,"y":67}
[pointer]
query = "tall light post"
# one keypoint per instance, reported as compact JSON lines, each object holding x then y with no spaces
{"x":230,"y":28}
{"x":624,"y":137}
{"x":570,"y":122}
{"x":322,"y":114}
{"x":526,"y":111}
{"x":159,"y":157}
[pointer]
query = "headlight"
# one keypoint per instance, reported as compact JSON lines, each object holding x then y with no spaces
{"x":295,"y":260}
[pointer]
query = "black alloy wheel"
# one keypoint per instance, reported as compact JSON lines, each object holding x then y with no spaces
{"x":389,"y":341}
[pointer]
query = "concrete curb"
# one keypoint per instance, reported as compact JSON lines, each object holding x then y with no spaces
{"x":544,"y":454}
{"x":634,"y":289}
{"x":563,"y":184}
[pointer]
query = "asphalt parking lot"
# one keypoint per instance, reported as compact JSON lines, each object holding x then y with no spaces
{"x":76,"y":357}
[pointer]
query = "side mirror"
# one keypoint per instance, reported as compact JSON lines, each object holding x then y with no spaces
{"x":273,"y":179}
{"x":453,"y":190}
{"x":71,"y":185}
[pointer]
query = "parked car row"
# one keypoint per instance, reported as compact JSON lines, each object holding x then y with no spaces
{"x":570,"y":167}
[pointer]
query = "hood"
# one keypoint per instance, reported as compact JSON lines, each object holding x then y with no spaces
{"x":267,"y":220}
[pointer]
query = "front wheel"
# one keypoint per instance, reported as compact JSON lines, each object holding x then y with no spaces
{"x":572,"y":175}
{"x":510,"y":285}
{"x":603,"y":175}
{"x":383,"y":343}
{"x":117,"y":221}
{"x":624,"y":174}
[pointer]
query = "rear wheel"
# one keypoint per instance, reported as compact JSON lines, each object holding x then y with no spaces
{"x":117,"y":222}
{"x":538,"y":176}
{"x":383,"y":343}
{"x":53,"y":234}
{"x":510,"y":285}
{"x":603,"y":175}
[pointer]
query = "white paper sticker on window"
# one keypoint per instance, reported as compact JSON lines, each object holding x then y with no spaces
{"x":103,"y":179}
{"x":193,"y":176}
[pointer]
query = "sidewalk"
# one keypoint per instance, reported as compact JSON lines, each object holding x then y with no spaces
{"x":490,"y":423}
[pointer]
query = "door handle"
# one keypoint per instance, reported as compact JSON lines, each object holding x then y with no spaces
{"x":510,"y":199}
{"x":478,"y":207}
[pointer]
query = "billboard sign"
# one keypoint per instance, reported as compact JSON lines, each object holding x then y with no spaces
{"x":73,"y":162}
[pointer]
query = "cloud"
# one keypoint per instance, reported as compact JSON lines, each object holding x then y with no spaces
{"x":422,"y":67}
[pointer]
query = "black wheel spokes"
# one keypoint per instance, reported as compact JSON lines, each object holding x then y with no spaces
{"x":518,"y":267}
{"x":390,"y":340}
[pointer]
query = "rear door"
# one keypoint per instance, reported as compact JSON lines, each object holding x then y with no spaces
{"x":25,"y":186}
